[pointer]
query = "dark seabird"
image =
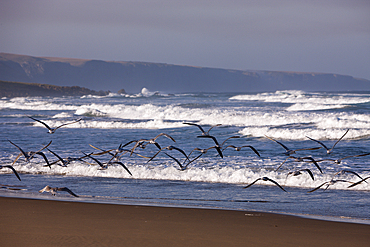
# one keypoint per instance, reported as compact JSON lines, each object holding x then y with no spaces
{"x":240,"y":148}
{"x":64,"y":162}
{"x":338,"y":161}
{"x":52,"y":130}
{"x":185,"y":165}
{"x":218,"y":148}
{"x":231,"y":137}
{"x":202,"y":150}
{"x":205,"y":133}
{"x":29,"y":155}
{"x":328,"y":150}
{"x":105,"y":165}
{"x":115,"y":156}
{"x":11,"y":168}
{"x":298,"y":172}
{"x":301,"y":159}
{"x":169,"y":148}
{"x":341,"y":172}
{"x":265,"y":179}
{"x":54,"y":190}
{"x":357,"y":183}
{"x":328,"y":183}
{"x":290,"y":151}
{"x":150,"y":141}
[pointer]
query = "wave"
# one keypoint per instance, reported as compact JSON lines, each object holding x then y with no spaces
{"x":205,"y":171}
{"x":306,"y":101}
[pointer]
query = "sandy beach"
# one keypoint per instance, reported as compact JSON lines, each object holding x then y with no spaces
{"x":29,"y":222}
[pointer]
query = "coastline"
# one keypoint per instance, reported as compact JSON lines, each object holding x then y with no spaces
{"x":35,"y":222}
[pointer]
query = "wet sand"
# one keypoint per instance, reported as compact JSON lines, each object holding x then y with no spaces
{"x":29,"y":222}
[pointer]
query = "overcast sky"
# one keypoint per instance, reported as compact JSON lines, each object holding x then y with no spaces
{"x":331,"y":36}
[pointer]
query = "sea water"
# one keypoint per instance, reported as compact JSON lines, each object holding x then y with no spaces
{"x":210,"y":181}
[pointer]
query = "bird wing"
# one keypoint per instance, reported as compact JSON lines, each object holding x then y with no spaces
{"x":123,"y":165}
{"x":14,"y":171}
{"x":78,"y":120}
{"x":46,"y":159}
{"x":322,"y":144}
{"x":177,"y":161}
{"x":358,"y":155}
{"x":200,"y":127}
{"x":178,"y":149}
{"x":24,"y":153}
{"x":166,"y":135}
{"x":254,"y":150}
{"x":269,"y":179}
{"x":317,"y":187}
{"x":19,"y":155}
{"x":67,"y":190}
{"x":47,"y":145}
{"x":47,"y":126}
{"x":339,"y":140}
{"x":287,"y":149}
{"x":212,"y":128}
{"x":96,"y":160}
{"x":231,"y":137}
{"x":102,"y":150}
{"x":191,"y":161}
{"x":255,"y":181}
{"x":314,"y":162}
{"x":357,"y":183}
{"x":309,"y":172}
{"x":290,"y":157}
{"x":215,"y":141}
{"x":56,"y":155}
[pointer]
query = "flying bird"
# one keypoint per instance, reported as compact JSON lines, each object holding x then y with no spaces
{"x":105,"y":165}
{"x":290,"y":151}
{"x":205,"y":133}
{"x":328,"y":183}
{"x":301,"y":159}
{"x":169,"y":148}
{"x":65,"y":162}
{"x":52,"y":130}
{"x":341,"y":172}
{"x":240,"y":148}
{"x":218,"y":147}
{"x":11,"y":168}
{"x":150,"y":141}
{"x":29,"y":155}
{"x":357,"y":183}
{"x":265,"y":179}
{"x":53,"y":190}
{"x":299,"y":172}
{"x":338,"y":161}
{"x":185,"y":165}
{"x":328,"y":150}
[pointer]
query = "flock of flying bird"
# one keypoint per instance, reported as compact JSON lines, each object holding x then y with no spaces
{"x":116,"y":155}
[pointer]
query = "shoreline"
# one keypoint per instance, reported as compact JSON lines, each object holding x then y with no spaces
{"x":39,"y":222}
{"x":136,"y":202}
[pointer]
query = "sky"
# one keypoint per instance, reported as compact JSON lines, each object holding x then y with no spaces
{"x":329,"y":36}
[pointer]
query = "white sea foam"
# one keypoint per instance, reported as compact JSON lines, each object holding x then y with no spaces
{"x":303,"y":97}
{"x":215,"y":173}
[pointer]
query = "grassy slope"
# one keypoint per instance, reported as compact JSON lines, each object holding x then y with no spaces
{"x":21,"y":89}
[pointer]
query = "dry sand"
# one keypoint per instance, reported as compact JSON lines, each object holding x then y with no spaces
{"x":28,"y":222}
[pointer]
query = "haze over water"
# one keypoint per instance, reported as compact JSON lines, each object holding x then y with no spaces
{"x":210,"y":181}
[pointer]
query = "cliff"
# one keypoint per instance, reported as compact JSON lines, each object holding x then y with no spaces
{"x":133,"y":76}
{"x":19,"y":89}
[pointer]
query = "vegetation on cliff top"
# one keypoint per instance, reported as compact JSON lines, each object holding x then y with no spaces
{"x":22,"y":89}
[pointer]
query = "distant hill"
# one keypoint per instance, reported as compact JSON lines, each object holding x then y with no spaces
{"x":19,"y":89}
{"x":133,"y":76}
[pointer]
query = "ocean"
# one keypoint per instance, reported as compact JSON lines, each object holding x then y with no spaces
{"x":211,"y":181}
